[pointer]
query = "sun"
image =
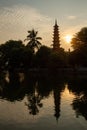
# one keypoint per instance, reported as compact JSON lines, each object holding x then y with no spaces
{"x":68,"y":38}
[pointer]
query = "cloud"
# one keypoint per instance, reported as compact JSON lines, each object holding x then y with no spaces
{"x":16,"y":21}
{"x":72,"y":17}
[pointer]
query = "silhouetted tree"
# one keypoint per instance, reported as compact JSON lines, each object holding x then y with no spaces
{"x":10,"y":53}
{"x":78,"y":57}
{"x":80,"y":39}
{"x":42,"y":57}
{"x":57,"y":59}
{"x":33,"y":40}
{"x":27,"y":58}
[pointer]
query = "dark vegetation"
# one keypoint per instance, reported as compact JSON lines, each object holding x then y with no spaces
{"x":16,"y":55}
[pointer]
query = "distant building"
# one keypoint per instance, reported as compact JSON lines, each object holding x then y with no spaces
{"x":56,"y":38}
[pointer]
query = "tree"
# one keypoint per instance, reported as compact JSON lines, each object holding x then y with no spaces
{"x":27,"y":57}
{"x":42,"y":57}
{"x":10,"y":53}
{"x":33,"y":40}
{"x":80,"y":39}
{"x":58,"y":59}
{"x":79,"y":43}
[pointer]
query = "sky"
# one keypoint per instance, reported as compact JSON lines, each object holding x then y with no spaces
{"x":19,"y":16}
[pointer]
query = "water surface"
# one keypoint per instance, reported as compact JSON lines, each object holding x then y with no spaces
{"x":42,"y":102}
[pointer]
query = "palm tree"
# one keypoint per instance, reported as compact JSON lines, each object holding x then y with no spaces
{"x":33,"y":40}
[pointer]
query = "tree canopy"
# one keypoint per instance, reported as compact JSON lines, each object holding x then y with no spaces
{"x":80,"y":39}
{"x":15,"y":55}
{"x":79,"y":43}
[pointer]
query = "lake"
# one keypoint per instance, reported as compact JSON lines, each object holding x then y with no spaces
{"x":42,"y":102}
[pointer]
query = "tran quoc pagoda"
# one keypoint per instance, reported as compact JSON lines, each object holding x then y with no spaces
{"x":56,"y":38}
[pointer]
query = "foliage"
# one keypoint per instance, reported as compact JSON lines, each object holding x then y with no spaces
{"x":79,"y":39}
{"x":33,"y":40}
{"x":78,"y":57}
{"x":10,"y":49}
{"x":42,"y":57}
{"x":27,"y":57}
{"x":15,"y":55}
{"x":57,"y":59}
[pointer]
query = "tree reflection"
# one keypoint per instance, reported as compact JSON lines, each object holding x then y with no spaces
{"x":34,"y":103}
{"x":2,"y":81}
{"x":79,"y":88}
{"x":12,"y":88}
{"x":42,"y":88}
{"x":80,"y":105}
{"x":33,"y":98}
{"x":15,"y":86}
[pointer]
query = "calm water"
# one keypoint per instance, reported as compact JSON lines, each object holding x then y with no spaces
{"x":42,"y":102}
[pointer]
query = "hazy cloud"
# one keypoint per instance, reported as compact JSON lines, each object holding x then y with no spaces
{"x":72,"y":17}
{"x":16,"y":21}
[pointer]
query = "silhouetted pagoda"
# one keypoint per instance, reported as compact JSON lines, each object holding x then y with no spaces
{"x":56,"y":41}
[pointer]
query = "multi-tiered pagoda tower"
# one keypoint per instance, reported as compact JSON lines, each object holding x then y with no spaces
{"x":56,"y":41}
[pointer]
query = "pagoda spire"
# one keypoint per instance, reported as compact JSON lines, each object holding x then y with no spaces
{"x":56,"y":41}
{"x":55,"y":21}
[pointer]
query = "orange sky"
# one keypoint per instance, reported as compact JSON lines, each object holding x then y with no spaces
{"x":19,"y":16}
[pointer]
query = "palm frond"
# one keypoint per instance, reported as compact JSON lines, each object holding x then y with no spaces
{"x":33,"y":39}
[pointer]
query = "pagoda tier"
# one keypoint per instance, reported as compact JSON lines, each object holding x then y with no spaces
{"x":56,"y":41}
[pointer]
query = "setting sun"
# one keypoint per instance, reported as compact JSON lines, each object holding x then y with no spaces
{"x":68,"y":38}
